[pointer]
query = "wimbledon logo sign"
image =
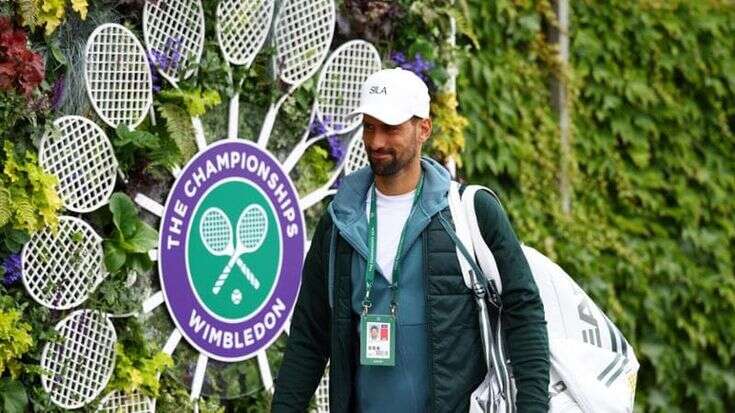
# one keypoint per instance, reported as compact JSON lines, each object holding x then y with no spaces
{"x":231,"y":250}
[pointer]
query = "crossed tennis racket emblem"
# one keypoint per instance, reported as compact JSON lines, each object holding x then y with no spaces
{"x":215,"y":230}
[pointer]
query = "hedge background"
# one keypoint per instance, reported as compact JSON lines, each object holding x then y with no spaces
{"x":651,"y":233}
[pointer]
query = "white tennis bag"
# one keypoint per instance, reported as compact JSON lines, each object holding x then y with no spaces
{"x":593,"y":368}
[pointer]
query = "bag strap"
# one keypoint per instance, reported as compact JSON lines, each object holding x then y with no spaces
{"x":468,"y":233}
{"x":484,"y":255}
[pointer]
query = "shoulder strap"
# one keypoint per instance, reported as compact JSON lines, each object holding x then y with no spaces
{"x":485,"y":257}
{"x":462,"y":232}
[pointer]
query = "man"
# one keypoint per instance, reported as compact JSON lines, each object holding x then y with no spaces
{"x":399,"y":265}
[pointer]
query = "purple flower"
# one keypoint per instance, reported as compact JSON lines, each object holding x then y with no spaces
{"x":398,"y":58}
{"x":418,"y":65}
{"x":335,"y":148}
{"x":165,"y":60}
{"x":57,"y":92}
{"x":153,"y":56}
{"x":318,"y":128}
{"x":12,"y":266}
{"x":329,"y":129}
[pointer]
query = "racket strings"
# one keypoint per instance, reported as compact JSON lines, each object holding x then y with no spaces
{"x":118,"y":76}
{"x":340,"y":88}
{"x":303,"y":33}
{"x":216,"y":231}
{"x":82,"y":363}
{"x":83,"y":160}
{"x":175,"y":19}
{"x":120,"y":402}
{"x":244,"y":26}
{"x":61,"y":270}
{"x":251,"y":227}
{"x":356,"y":155}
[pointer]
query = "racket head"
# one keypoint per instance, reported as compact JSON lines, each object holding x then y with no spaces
{"x":82,"y":363}
{"x":61,"y":270}
{"x":174,"y":29}
{"x":356,"y":156}
{"x":215,"y":229}
{"x":117,"y":76}
{"x":242,"y":27}
{"x":118,"y":401}
{"x":340,"y":84}
{"x":82,"y":158}
{"x":252,"y":227}
{"x":303,"y":33}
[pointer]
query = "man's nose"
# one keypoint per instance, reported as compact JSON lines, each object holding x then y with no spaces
{"x":376,"y":139}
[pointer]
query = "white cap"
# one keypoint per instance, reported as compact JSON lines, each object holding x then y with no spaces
{"x":394,"y":96}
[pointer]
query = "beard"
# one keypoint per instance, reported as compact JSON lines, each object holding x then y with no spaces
{"x":394,"y":161}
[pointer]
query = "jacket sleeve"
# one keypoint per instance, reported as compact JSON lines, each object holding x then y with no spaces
{"x":523,"y":312}
{"x":308,"y":346}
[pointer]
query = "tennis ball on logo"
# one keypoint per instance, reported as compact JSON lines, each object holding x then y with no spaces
{"x":236,"y":296}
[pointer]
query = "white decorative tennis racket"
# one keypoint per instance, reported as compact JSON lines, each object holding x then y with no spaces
{"x":215,"y":230}
{"x":303,"y":33}
{"x":82,"y":158}
{"x":174,"y":29}
{"x":242,"y":27}
{"x":121,"y":402}
{"x":252,"y":227}
{"x":355,"y":158}
{"x":338,"y":94}
{"x":81,"y":364}
{"x":117,"y":75}
{"x":61,"y":270}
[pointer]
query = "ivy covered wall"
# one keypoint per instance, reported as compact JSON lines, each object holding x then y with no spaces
{"x":651,"y":233}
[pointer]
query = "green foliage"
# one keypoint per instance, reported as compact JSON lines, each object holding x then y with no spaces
{"x":178,"y":125}
{"x":49,"y":13}
{"x":28,"y":198}
{"x":137,"y":146}
{"x":137,"y":364}
{"x":447,"y":138}
{"x":15,"y":340}
{"x":314,"y":169}
{"x":195,"y":100}
{"x":651,"y":234}
{"x":127,"y":248}
{"x":13,"y":397}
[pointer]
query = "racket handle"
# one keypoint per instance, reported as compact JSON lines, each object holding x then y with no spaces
{"x":267,"y":128}
{"x":234,"y":119}
{"x":270,"y":119}
{"x":201,"y":141}
{"x":248,"y":274}
{"x":224,"y":275}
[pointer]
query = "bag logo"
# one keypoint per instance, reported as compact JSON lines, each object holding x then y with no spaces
{"x":231,"y":249}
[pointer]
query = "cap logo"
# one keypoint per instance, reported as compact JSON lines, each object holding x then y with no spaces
{"x":377,"y":90}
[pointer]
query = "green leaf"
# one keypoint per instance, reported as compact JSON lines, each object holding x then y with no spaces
{"x":57,"y":53}
{"x":124,"y":214}
{"x":144,"y":239}
{"x":114,"y":256}
{"x":15,"y":399}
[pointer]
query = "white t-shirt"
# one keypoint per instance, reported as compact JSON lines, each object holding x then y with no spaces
{"x":393,"y":212}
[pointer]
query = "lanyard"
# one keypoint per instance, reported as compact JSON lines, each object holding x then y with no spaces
{"x":372,"y":241}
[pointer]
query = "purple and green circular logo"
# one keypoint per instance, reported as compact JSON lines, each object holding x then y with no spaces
{"x":231,"y":250}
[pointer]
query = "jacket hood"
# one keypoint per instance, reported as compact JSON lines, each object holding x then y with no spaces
{"x":348,"y":206}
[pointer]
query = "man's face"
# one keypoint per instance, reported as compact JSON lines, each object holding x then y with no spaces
{"x":374,"y":333}
{"x":390,"y":148}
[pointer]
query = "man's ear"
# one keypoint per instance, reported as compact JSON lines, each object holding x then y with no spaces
{"x":425,"y":128}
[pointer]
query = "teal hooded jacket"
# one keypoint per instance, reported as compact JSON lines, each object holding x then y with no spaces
{"x":438,"y":352}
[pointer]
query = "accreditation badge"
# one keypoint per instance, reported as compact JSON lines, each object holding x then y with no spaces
{"x":377,"y":340}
